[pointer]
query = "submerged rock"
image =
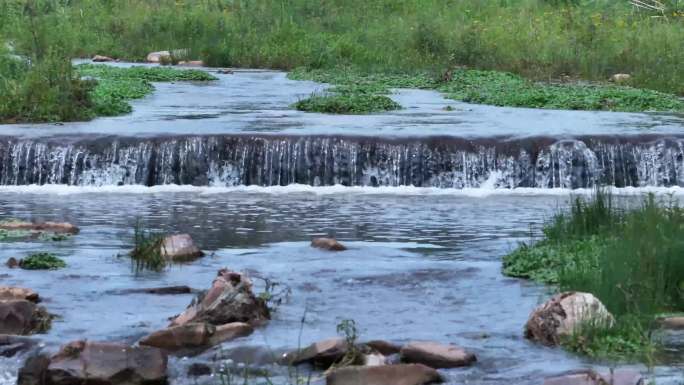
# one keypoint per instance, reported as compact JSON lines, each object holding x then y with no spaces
{"x":403,"y":374}
{"x":180,"y":247}
{"x":590,"y":377}
{"x":21,"y":317}
{"x":196,"y":335}
{"x":12,"y":263}
{"x":10,"y":293}
{"x":101,"y":363}
{"x":52,"y":227}
{"x":230,"y":299}
{"x":166,"y":290}
{"x":329,"y":244}
{"x":562,"y":315}
{"x":436,"y":355}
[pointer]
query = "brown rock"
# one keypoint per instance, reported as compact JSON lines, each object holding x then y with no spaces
{"x":101,"y":59}
{"x":54,"y":227}
{"x":104,"y":363}
{"x":34,"y":370}
{"x":412,"y":374}
{"x":321,"y":354}
{"x":195,"y":335}
{"x":230,"y":299}
{"x":9,"y":293}
{"x":329,"y":244}
{"x":436,"y":355}
{"x":562,"y":315}
{"x":672,"y":323}
{"x":23,"y":317}
{"x":180,"y":247}
{"x":590,"y":377}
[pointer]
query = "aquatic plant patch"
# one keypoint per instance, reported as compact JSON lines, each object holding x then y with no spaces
{"x":42,"y":261}
{"x":500,"y":89}
{"x":344,"y":103}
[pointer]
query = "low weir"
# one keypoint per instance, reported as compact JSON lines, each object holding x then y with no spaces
{"x":269,"y":160}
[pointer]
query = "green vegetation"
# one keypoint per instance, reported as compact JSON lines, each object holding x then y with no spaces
{"x":147,"y":250}
{"x":628,"y":257}
{"x":42,"y":261}
{"x":346,"y":103}
{"x":492,"y":87}
{"x":540,"y":40}
{"x":11,"y":235}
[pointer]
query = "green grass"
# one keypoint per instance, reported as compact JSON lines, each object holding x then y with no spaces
{"x":627,"y":256}
{"x":147,"y":250}
{"x":42,"y":261}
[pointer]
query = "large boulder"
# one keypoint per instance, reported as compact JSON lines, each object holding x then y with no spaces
{"x":404,"y":374}
{"x":436,"y":355}
{"x":39,"y":227}
{"x":179,"y":248}
{"x":591,"y":377}
{"x":9,"y":293}
{"x":230,"y":299}
{"x":23,"y":317}
{"x":106,"y":363}
{"x":321,"y":354}
{"x":329,"y":244}
{"x":12,"y":345}
{"x":101,"y":59}
{"x":563,"y":314}
{"x":196,"y":335}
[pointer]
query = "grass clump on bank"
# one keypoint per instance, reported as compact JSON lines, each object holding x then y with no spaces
{"x":42,"y":261}
{"x":628,"y":257}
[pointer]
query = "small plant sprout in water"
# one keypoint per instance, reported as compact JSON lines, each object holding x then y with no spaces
{"x":147,"y":251}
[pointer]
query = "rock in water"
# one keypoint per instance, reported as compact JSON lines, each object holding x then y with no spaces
{"x":562,"y":315}
{"x":101,"y":59}
{"x":196,"y":335}
{"x":329,"y":244}
{"x":9,"y":293}
{"x":672,"y":323}
{"x":52,"y":227}
{"x":230,"y":299}
{"x":321,"y":354}
{"x":158,"y":57}
{"x":105,"y":363}
{"x":436,"y":355}
{"x":403,"y":374}
{"x":180,"y":247}
{"x":11,"y":345}
{"x":21,"y":317}
{"x":590,"y":377}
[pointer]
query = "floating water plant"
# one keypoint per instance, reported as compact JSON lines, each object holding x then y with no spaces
{"x":42,"y":261}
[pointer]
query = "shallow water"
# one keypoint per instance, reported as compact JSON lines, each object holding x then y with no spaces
{"x":419,"y":267}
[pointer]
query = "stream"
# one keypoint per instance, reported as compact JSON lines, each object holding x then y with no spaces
{"x":427,"y":200}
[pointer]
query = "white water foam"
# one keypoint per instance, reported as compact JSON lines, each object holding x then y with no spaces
{"x":51,"y":189}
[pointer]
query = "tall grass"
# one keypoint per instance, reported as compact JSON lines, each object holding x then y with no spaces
{"x":541,"y":39}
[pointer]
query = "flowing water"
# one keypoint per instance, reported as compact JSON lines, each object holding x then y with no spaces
{"x":427,"y":201}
